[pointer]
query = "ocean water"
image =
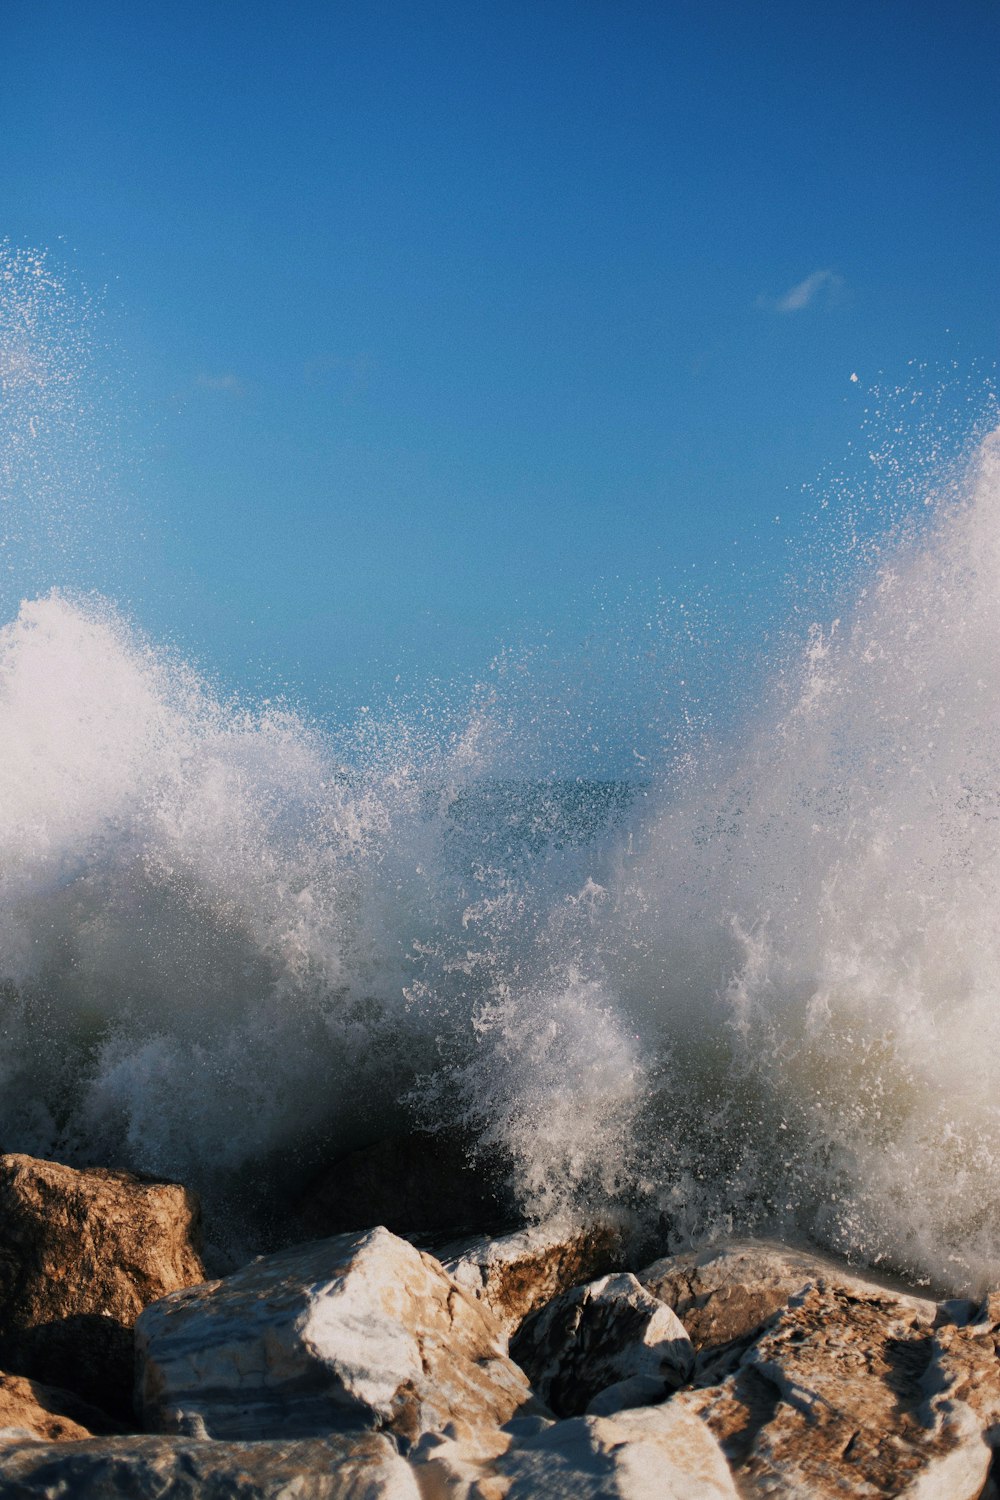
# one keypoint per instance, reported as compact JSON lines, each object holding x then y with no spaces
{"x":756,"y":989}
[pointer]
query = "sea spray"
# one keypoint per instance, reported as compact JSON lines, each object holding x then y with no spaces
{"x":755,"y":990}
{"x":808,"y":933}
{"x":223,"y":949}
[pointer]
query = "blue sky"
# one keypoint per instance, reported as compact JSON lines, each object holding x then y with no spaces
{"x":442,"y":328}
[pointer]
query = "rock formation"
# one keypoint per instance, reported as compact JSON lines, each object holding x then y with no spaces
{"x":361,"y":1368}
{"x":609,"y":1341}
{"x":43,"y":1413}
{"x":354,"y":1332}
{"x":81,"y":1254}
{"x":519,"y":1272}
{"x":359,"y":1467}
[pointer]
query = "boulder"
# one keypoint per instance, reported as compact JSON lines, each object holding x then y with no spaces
{"x":966,"y":1357}
{"x":656,"y":1453}
{"x":724,"y":1294}
{"x":846,"y":1393}
{"x":44,"y":1413}
{"x":609,"y":1337}
{"x":659,"y":1453}
{"x":81,"y":1254}
{"x":520,"y":1272}
{"x":359,"y":1331}
{"x":360,"y":1467}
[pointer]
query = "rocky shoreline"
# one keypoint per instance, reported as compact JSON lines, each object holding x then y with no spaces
{"x":540,"y":1362}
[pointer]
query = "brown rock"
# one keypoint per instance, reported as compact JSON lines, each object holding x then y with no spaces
{"x":724,"y":1294}
{"x":81,"y":1254}
{"x":48,"y":1414}
{"x":845,"y":1393}
{"x":967,"y":1357}
{"x":521,"y":1272}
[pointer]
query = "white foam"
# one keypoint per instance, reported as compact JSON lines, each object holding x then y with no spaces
{"x":769,"y":1002}
{"x":811,"y":924}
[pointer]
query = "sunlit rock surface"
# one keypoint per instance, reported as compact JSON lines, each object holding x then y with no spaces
{"x":849,"y":1389}
{"x":357,"y":1368}
{"x":656,"y":1453}
{"x":725,"y":1292}
{"x":358,"y":1331}
{"x":81,"y":1254}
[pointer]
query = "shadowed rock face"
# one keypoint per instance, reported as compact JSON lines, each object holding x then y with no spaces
{"x":81,"y":1254}
{"x":361,"y":1467}
{"x":46,"y":1413}
{"x":608,"y":1335}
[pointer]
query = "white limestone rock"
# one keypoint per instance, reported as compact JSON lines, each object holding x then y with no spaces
{"x":610,"y":1333}
{"x":659,"y":1453}
{"x":359,"y":1467}
{"x":656,"y":1453}
{"x":362,"y":1331}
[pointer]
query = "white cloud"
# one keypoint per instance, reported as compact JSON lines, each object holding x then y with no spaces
{"x":804,"y":293}
{"x":231,"y":384}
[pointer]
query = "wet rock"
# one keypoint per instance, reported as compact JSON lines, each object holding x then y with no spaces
{"x":610,"y":1333}
{"x":845,"y":1392}
{"x":361,"y":1467}
{"x":45,"y":1413}
{"x":81,"y":1254}
{"x":410,"y":1184}
{"x":359,"y":1331}
{"x":520,"y":1272}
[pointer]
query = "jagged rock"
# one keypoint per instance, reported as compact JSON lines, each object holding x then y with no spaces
{"x":847,"y":1392}
{"x":407,"y":1183}
{"x":354,"y":1332}
{"x":359,"y":1467}
{"x":610,"y":1333}
{"x":659,"y":1453}
{"x":521,"y":1272}
{"x":967,"y":1356}
{"x":724,"y":1294}
{"x":45,"y":1413}
{"x":450,"y":1467}
{"x":81,"y":1254}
